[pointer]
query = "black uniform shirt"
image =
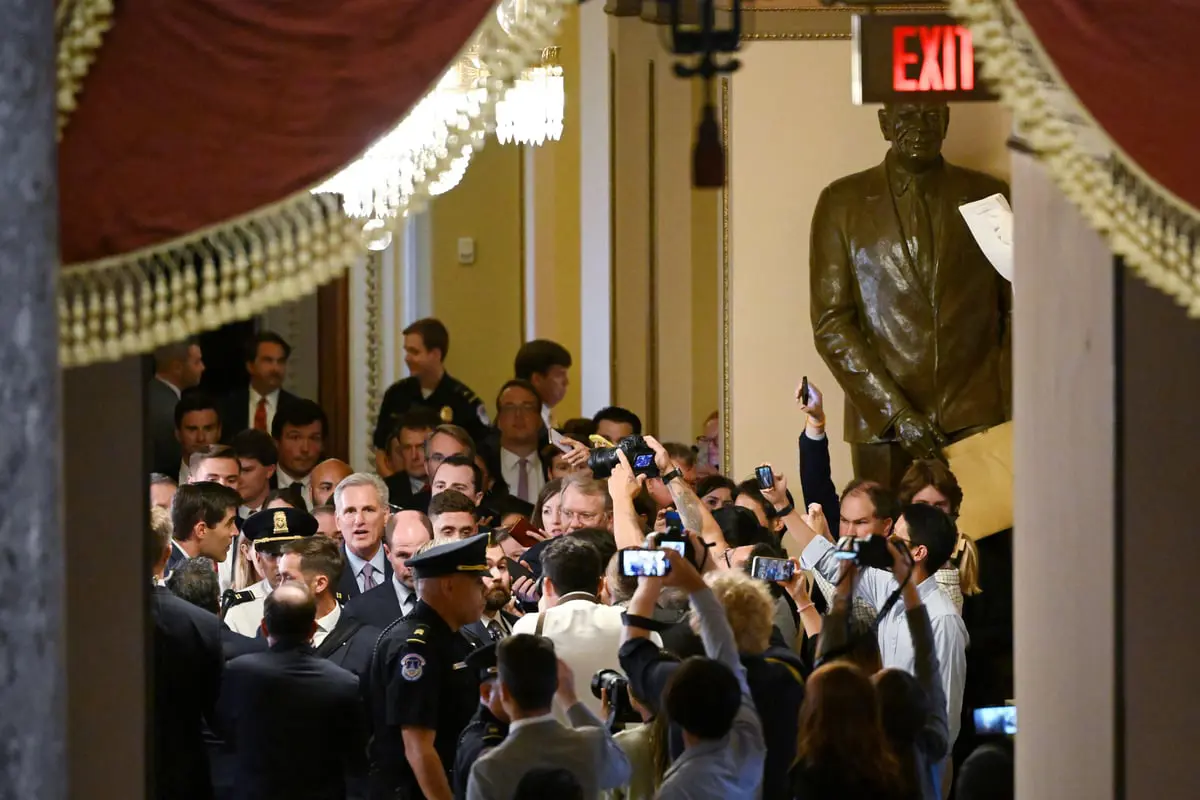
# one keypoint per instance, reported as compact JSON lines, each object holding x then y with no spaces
{"x":418,"y":679}
{"x":482,"y":733}
{"x":454,"y":402}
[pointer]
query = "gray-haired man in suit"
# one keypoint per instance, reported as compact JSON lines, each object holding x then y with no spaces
{"x":530,"y":677}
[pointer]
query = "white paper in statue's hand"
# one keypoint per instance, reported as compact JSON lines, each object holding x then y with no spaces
{"x":991,"y":223}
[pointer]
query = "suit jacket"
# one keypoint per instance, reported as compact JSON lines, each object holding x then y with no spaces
{"x":479,"y":630}
{"x":896,"y":338}
{"x":350,"y":645}
{"x":295,"y":723}
{"x":586,"y":750}
{"x":378,"y":608}
{"x":186,"y":681}
{"x":235,"y":410}
{"x":160,"y":423}
{"x":348,"y":583}
{"x":400,"y":491}
{"x":235,"y":644}
{"x":816,"y":480}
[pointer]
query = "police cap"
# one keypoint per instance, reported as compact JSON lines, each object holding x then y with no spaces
{"x":465,"y":557}
{"x":483,"y":661}
{"x":274,"y":526}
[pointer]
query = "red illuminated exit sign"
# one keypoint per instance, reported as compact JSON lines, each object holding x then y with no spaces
{"x":914,"y":57}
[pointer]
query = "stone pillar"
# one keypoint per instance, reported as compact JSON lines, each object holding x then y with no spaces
{"x":31,"y":540}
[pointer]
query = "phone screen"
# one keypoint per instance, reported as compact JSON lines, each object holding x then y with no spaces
{"x":996,"y":720}
{"x":644,"y":563}
{"x":772,"y":569}
{"x":766,"y":478}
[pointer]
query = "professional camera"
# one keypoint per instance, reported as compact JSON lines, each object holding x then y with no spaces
{"x":866,"y":551}
{"x":620,"y":710}
{"x":602,"y":459}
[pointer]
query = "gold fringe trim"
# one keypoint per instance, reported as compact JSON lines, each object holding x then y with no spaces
{"x":1155,"y":231}
{"x":132,"y":303}
{"x":80,"y":25}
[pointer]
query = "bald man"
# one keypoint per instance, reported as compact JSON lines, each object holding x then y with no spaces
{"x":325,"y":478}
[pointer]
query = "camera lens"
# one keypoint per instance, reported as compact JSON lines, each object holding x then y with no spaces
{"x":601,"y":461}
{"x":606,"y":679}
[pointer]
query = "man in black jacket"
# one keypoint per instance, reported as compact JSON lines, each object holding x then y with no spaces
{"x":186,"y":679}
{"x":407,"y":532}
{"x":295,"y":720}
{"x":256,"y":405}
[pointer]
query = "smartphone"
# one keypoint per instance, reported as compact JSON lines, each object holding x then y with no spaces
{"x":997,"y":720}
{"x":559,"y":441}
{"x":520,"y":532}
{"x":772,"y":569}
{"x":518,"y":570}
{"x":766,"y":478}
{"x":804,"y":398}
{"x":638,"y":563}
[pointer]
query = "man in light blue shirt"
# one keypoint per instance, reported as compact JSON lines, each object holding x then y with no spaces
{"x":931,"y":538}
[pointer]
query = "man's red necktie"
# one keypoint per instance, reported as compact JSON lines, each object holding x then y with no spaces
{"x":260,"y":415}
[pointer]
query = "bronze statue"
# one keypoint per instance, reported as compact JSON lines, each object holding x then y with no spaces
{"x":906,"y":310}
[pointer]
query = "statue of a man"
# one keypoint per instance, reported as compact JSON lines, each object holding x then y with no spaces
{"x":906,"y":310}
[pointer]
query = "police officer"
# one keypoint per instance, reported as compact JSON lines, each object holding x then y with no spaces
{"x":421,"y":692}
{"x":426,"y":345}
{"x":267,"y":531}
{"x":489,"y":726}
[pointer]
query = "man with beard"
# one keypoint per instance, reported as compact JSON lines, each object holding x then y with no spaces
{"x":496,"y":622}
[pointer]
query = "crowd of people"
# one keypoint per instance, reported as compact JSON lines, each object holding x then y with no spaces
{"x":528,"y":609}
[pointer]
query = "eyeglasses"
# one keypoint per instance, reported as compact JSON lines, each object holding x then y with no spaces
{"x":586,"y":517}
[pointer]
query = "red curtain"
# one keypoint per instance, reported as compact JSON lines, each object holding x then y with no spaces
{"x":1135,"y":66}
{"x":197,"y":112}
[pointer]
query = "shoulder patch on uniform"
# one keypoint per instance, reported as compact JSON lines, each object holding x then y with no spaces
{"x":412,"y":667}
{"x":481,"y":410}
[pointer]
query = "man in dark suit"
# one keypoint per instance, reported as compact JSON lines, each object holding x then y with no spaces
{"x":496,"y":623}
{"x":176,"y":367}
{"x":255,"y":406}
{"x":405,"y":455}
{"x":185,"y":682}
{"x":361,"y":507}
{"x":295,"y":721}
{"x":407,"y":532}
{"x":906,"y":310}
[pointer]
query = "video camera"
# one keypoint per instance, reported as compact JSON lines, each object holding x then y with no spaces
{"x":866,"y":551}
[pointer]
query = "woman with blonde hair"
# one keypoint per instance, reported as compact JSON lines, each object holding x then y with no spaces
{"x":931,"y":482}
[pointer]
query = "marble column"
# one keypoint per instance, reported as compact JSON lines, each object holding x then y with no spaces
{"x":31,"y":541}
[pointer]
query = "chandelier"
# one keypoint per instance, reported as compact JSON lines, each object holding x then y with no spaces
{"x":396,"y":164}
{"x":532,"y":110}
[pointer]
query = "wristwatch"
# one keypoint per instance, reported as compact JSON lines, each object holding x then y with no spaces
{"x":672,"y":475}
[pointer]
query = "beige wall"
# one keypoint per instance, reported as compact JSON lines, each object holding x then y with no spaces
{"x":481,"y":303}
{"x":793,"y":131}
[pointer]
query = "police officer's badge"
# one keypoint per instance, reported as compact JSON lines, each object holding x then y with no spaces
{"x":280,"y":522}
{"x":412,"y":666}
{"x":447,"y":414}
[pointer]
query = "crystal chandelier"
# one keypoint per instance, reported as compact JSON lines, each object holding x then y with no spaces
{"x":532,"y":110}
{"x":400,"y":161}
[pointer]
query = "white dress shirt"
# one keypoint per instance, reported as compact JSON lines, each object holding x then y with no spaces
{"x":950,"y":637}
{"x":185,"y":474}
{"x":547,"y":416}
{"x":247,"y":617}
{"x":586,"y":635}
{"x":225,"y":568}
{"x":284,"y":480}
{"x":356,"y":567}
{"x":511,"y":470}
{"x":272,"y":399}
{"x":404,"y":595}
{"x":326,"y":624}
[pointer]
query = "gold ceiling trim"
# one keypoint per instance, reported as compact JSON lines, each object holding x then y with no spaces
{"x":79,"y":26}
